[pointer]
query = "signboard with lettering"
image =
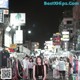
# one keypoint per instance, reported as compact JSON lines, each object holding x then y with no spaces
{"x":65,"y":36}
{"x":13,"y":46}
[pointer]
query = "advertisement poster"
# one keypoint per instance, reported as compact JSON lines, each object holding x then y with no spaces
{"x":17,"y":19}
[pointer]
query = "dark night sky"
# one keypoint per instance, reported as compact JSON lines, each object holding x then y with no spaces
{"x":42,"y":20}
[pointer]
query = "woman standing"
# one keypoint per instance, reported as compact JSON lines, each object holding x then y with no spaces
{"x":39,"y":70}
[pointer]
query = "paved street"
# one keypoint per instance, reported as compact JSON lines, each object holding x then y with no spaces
{"x":50,"y":76}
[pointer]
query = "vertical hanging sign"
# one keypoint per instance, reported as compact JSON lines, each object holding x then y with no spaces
{"x":1,"y":37}
{"x":1,"y":16}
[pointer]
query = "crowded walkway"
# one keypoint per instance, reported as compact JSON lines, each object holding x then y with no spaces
{"x":59,"y":68}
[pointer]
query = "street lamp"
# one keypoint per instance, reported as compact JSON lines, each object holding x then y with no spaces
{"x":29,"y":31}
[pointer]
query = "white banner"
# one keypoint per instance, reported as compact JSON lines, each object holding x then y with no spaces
{"x":7,"y":39}
{"x":19,"y":37}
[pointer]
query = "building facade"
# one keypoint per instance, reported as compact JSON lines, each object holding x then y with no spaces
{"x":66,"y":26}
{"x":76,"y":19}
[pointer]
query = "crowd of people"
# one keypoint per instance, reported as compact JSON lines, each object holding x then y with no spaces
{"x":62,"y":68}
{"x":35,"y":69}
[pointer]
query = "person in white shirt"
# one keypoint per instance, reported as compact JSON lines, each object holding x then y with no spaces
{"x":62,"y":68}
{"x":25,"y":67}
{"x":55,"y":68}
{"x":30,"y":67}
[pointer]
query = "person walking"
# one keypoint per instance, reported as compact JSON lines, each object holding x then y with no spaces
{"x":30,"y":67}
{"x":25,"y":67}
{"x":62,"y":68}
{"x":39,"y":70}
